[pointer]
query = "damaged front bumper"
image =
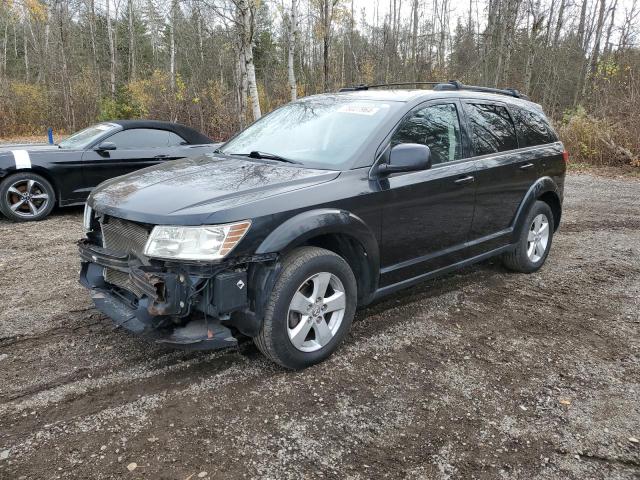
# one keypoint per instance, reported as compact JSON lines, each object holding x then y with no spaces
{"x":183,"y":305}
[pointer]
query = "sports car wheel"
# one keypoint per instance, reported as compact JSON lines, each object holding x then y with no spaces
{"x":26,"y":197}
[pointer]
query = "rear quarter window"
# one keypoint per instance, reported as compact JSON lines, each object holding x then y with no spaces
{"x":533,"y":128}
{"x":145,"y":138}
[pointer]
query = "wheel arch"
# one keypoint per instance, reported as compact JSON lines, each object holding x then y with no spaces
{"x":546,"y":190}
{"x":553,"y":200}
{"x":354,"y":253}
{"x":339,"y":231}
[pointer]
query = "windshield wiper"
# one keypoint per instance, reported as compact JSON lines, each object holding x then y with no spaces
{"x":271,"y":156}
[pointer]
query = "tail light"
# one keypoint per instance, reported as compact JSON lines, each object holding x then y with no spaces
{"x":565,"y":156}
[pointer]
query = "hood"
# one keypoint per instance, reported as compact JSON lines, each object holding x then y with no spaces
{"x":191,"y":191}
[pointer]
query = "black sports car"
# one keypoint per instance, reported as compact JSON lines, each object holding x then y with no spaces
{"x":34,"y":178}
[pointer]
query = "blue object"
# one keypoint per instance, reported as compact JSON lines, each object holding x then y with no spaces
{"x":50,"y":134}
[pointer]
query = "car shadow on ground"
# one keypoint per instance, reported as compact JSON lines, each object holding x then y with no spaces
{"x":488,"y":272}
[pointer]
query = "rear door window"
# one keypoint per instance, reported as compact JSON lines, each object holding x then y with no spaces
{"x":437,"y":127}
{"x":492,"y":129}
{"x":145,"y":138}
{"x":533,"y":128}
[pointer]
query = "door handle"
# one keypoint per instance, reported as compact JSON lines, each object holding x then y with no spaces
{"x":464,"y":180}
{"x":525,"y":166}
{"x":161,"y":156}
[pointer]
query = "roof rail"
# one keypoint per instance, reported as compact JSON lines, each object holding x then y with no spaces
{"x":362,"y":86}
{"x":456,"y":85}
{"x":441,"y":86}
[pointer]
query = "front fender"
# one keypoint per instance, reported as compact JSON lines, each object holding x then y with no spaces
{"x":539,"y":188}
{"x":304,"y":226}
{"x":7,"y":164}
{"x":311,"y":224}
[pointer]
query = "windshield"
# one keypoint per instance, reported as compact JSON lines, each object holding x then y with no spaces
{"x":86,"y":137}
{"x":320,"y":132}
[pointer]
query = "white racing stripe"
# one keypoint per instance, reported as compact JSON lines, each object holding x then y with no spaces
{"x":22,"y":159}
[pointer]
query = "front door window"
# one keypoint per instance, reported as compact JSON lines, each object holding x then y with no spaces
{"x":437,"y":127}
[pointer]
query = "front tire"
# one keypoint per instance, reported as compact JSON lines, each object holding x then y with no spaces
{"x":534,"y":241}
{"x":310,"y":309}
{"x":26,"y":197}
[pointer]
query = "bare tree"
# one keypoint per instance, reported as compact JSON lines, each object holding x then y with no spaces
{"x":326,"y":18}
{"x":630,"y":21}
{"x":112,"y":52}
{"x":67,"y":89}
{"x":4,"y":47}
{"x":245,"y":14}
{"x":533,"y":41}
{"x":595,"y":53}
{"x":292,"y":33}
{"x":25,"y":42}
{"x":559,"y":23}
{"x":414,"y":38}
{"x":132,"y":48}
{"x":172,"y":43}
{"x":92,"y":36}
{"x":508,"y":17}
{"x":581,"y":49}
{"x":607,"y":43}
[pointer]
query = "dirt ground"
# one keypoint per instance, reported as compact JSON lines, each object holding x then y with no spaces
{"x":481,"y":374}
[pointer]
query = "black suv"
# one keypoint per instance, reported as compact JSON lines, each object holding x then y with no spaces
{"x":326,"y":204}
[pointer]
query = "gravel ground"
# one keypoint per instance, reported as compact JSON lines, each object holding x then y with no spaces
{"x":481,"y":374}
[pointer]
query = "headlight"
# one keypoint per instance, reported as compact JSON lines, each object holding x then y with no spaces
{"x":88,"y":214}
{"x":208,"y":242}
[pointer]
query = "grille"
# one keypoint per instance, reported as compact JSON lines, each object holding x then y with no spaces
{"x":123,"y":237}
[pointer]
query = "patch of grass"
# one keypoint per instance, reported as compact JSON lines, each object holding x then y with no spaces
{"x":598,"y":142}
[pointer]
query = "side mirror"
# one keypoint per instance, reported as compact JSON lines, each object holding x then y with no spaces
{"x":407,"y":157}
{"x":105,"y":146}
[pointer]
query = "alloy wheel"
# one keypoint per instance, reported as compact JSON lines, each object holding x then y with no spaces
{"x":316,"y":312}
{"x":27,"y":198}
{"x":538,"y":238}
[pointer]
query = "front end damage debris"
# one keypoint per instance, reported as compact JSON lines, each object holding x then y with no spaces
{"x":177,"y":303}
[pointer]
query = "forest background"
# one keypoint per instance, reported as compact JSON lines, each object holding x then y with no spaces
{"x":217,"y":65}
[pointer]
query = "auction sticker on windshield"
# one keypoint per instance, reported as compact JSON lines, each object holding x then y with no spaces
{"x":362,"y":108}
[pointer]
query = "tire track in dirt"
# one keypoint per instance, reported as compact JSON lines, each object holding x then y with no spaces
{"x":90,"y":397}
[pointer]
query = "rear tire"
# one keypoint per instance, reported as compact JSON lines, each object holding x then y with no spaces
{"x":26,"y":197}
{"x":310,"y":309}
{"x":534,"y":241}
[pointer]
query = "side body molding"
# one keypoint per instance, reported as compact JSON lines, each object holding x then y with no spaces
{"x":539,"y":188}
